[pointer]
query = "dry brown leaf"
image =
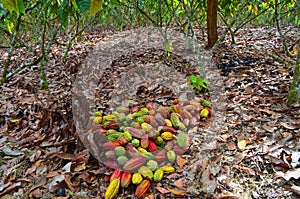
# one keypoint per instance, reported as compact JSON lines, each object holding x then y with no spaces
{"x":36,"y":193}
{"x":181,"y":162}
{"x":179,"y":183}
{"x":231,"y":146}
{"x":162,"y":190}
{"x":177,"y":192}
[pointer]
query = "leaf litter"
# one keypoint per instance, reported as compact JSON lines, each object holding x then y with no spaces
{"x":255,"y":156}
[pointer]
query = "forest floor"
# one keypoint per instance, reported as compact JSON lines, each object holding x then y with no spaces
{"x":251,"y":150}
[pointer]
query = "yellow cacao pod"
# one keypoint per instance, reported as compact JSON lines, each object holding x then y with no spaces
{"x":136,"y":178}
{"x":112,"y":189}
{"x":167,"y":136}
{"x":167,"y":169}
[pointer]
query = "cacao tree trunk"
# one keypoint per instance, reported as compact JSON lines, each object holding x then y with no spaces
{"x":212,"y":8}
{"x":294,"y":92}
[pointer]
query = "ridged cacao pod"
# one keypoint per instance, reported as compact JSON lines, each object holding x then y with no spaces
{"x":135,"y":143}
{"x":164,"y":112}
{"x":146,"y":172}
{"x":110,"y":155}
{"x":179,"y":150}
{"x":186,"y":114}
{"x":122,"y":141}
{"x":142,"y":189}
{"x":204,"y":113}
{"x":168,"y":129}
{"x":132,"y":151}
{"x":160,"y":156}
{"x":205,"y":103}
{"x":159,"y":119}
{"x":120,"y":150}
{"x":122,"y":160}
{"x":152,"y":146}
{"x":137,"y":178}
{"x":144,"y":111}
{"x":145,"y":141}
{"x":110,"y":145}
{"x":167,"y":169}
{"x":112,"y":189}
{"x":182,"y":140}
{"x":167,"y":136}
{"x":152,"y":165}
{"x":168,"y":122}
{"x":158,"y":175}
{"x":126,"y":179}
{"x":136,"y":132}
{"x":171,"y":155}
{"x":134,"y":163}
{"x":146,"y":127}
{"x":111,"y":164}
{"x":127,"y":136}
{"x":116,"y":174}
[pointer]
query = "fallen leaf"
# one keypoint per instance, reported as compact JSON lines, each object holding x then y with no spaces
{"x":179,"y":183}
{"x":177,"y":192}
{"x":231,"y":146}
{"x":242,"y":144}
{"x":296,"y":190}
{"x":36,"y":193}
{"x":181,"y":162}
{"x":162,"y":190}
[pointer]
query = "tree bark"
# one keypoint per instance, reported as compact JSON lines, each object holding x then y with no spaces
{"x":212,"y":8}
{"x":294,"y":92}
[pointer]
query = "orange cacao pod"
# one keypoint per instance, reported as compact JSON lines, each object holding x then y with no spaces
{"x":142,"y":189}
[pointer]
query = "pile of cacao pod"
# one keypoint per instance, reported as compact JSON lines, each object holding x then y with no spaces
{"x":143,"y":143}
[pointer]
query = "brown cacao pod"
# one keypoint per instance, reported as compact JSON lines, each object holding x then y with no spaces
{"x":134,"y":163}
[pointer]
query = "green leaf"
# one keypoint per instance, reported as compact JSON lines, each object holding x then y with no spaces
{"x":193,"y":78}
{"x":21,"y":6}
{"x":14,"y":120}
{"x":83,"y":5}
{"x":95,"y":6}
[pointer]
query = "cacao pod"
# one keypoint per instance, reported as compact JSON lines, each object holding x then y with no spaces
{"x":146,"y":127}
{"x":97,"y":120}
{"x":152,"y":165}
{"x":171,"y":156}
{"x":110,"y":155}
{"x":182,"y":139}
{"x":134,"y":163}
{"x":167,"y":136}
{"x":131,"y":150}
{"x":145,"y":141}
{"x":112,"y":189}
{"x":187,"y":115}
{"x":168,"y":129}
{"x":120,"y":150}
{"x":122,"y":160}
{"x":116,"y":174}
{"x":110,"y":145}
{"x":127,"y":136}
{"x":140,"y":120}
{"x":205,"y":103}
{"x":135,"y":132}
{"x":146,"y":172}
{"x":167,"y":169}
{"x":150,"y":120}
{"x":164,"y":112}
{"x":111,"y":164}
{"x":159,"y":119}
{"x":204,"y":113}
{"x":142,"y":189}
{"x":122,"y":141}
{"x":168,"y":122}
{"x":135,"y":143}
{"x":160,"y":156}
{"x":152,"y":146}
{"x":126,"y":179}
{"x":144,"y":111}
{"x":153,"y":134}
{"x":158,"y":175}
{"x":137,"y":178}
